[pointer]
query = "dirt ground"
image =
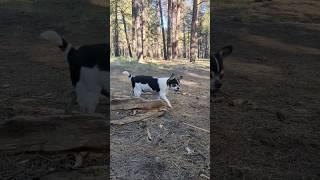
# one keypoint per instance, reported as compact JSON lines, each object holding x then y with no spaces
{"x":271,"y":133}
{"x":34,"y":78}
{"x":273,"y":129}
{"x":166,"y":156}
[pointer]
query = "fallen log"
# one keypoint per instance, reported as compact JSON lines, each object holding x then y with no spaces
{"x":55,"y":133}
{"x":129,"y":119}
{"x":135,"y":103}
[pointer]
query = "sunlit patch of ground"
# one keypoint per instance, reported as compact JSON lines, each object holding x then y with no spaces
{"x":167,"y":155}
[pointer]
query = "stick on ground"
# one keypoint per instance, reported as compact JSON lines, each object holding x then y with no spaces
{"x":197,"y":127}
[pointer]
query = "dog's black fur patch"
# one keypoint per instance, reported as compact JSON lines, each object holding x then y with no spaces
{"x":216,"y":67}
{"x":64,"y":45}
{"x":217,"y":59}
{"x":151,"y":81}
{"x":87,"y":56}
{"x":173,"y":82}
{"x":217,"y":64}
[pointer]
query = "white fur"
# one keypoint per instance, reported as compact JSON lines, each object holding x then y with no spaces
{"x":88,"y":89}
{"x":66,"y":52}
{"x":126,"y":73}
{"x":52,"y":36}
{"x":164,"y":90}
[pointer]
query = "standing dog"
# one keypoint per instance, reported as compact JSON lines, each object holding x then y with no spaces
{"x":89,"y":71}
{"x":142,"y":84}
{"x":216,"y":68}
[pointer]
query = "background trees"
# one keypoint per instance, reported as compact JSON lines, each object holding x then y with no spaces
{"x":162,"y":29}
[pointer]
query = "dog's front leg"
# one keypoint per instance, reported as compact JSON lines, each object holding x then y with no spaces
{"x":69,"y":105}
{"x":164,"y":97}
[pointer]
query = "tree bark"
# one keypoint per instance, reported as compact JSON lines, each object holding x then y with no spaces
{"x":207,"y":47}
{"x":163,"y":32}
{"x":126,"y":33}
{"x":131,"y":103}
{"x":139,"y":30}
{"x":158,"y":42}
{"x":176,"y":29}
{"x":54,"y":133}
{"x":169,"y":28}
{"x":116,"y":32}
{"x":193,"y":38}
{"x":184,"y":41}
{"x":135,"y":7}
{"x":173,"y":27}
{"x":146,"y":116}
{"x":143,"y":29}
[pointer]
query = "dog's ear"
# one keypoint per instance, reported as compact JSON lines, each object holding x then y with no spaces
{"x":172,"y":76}
{"x":225,"y":51}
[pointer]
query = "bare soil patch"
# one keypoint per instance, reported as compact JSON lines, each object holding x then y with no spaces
{"x":34,"y":78}
{"x":274,"y":69}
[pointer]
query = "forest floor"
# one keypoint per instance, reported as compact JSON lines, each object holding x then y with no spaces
{"x":34,"y":77}
{"x":273,"y":132}
{"x":166,"y":156}
{"x":34,"y":81}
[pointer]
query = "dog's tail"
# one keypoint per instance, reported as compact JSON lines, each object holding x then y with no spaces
{"x":127,"y":73}
{"x":55,"y":38}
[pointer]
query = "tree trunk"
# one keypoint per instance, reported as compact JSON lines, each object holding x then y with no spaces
{"x":211,"y":36}
{"x":173,"y":28}
{"x":176,"y":29}
{"x":143,"y":29}
{"x":158,"y":42}
{"x":139,"y":50}
{"x":126,"y":33}
{"x":134,"y":24}
{"x":193,"y":38}
{"x":207,"y":47}
{"x":163,"y":32}
{"x":184,"y":41}
{"x":116,"y":32}
{"x":199,"y":47}
{"x":169,"y":28}
{"x":188,"y":48}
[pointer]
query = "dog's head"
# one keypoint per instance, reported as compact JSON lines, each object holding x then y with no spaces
{"x":216,"y":68}
{"x":174,"y":82}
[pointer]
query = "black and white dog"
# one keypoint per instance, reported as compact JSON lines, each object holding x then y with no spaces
{"x":89,"y":71}
{"x":216,"y":68}
{"x":161,"y":85}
